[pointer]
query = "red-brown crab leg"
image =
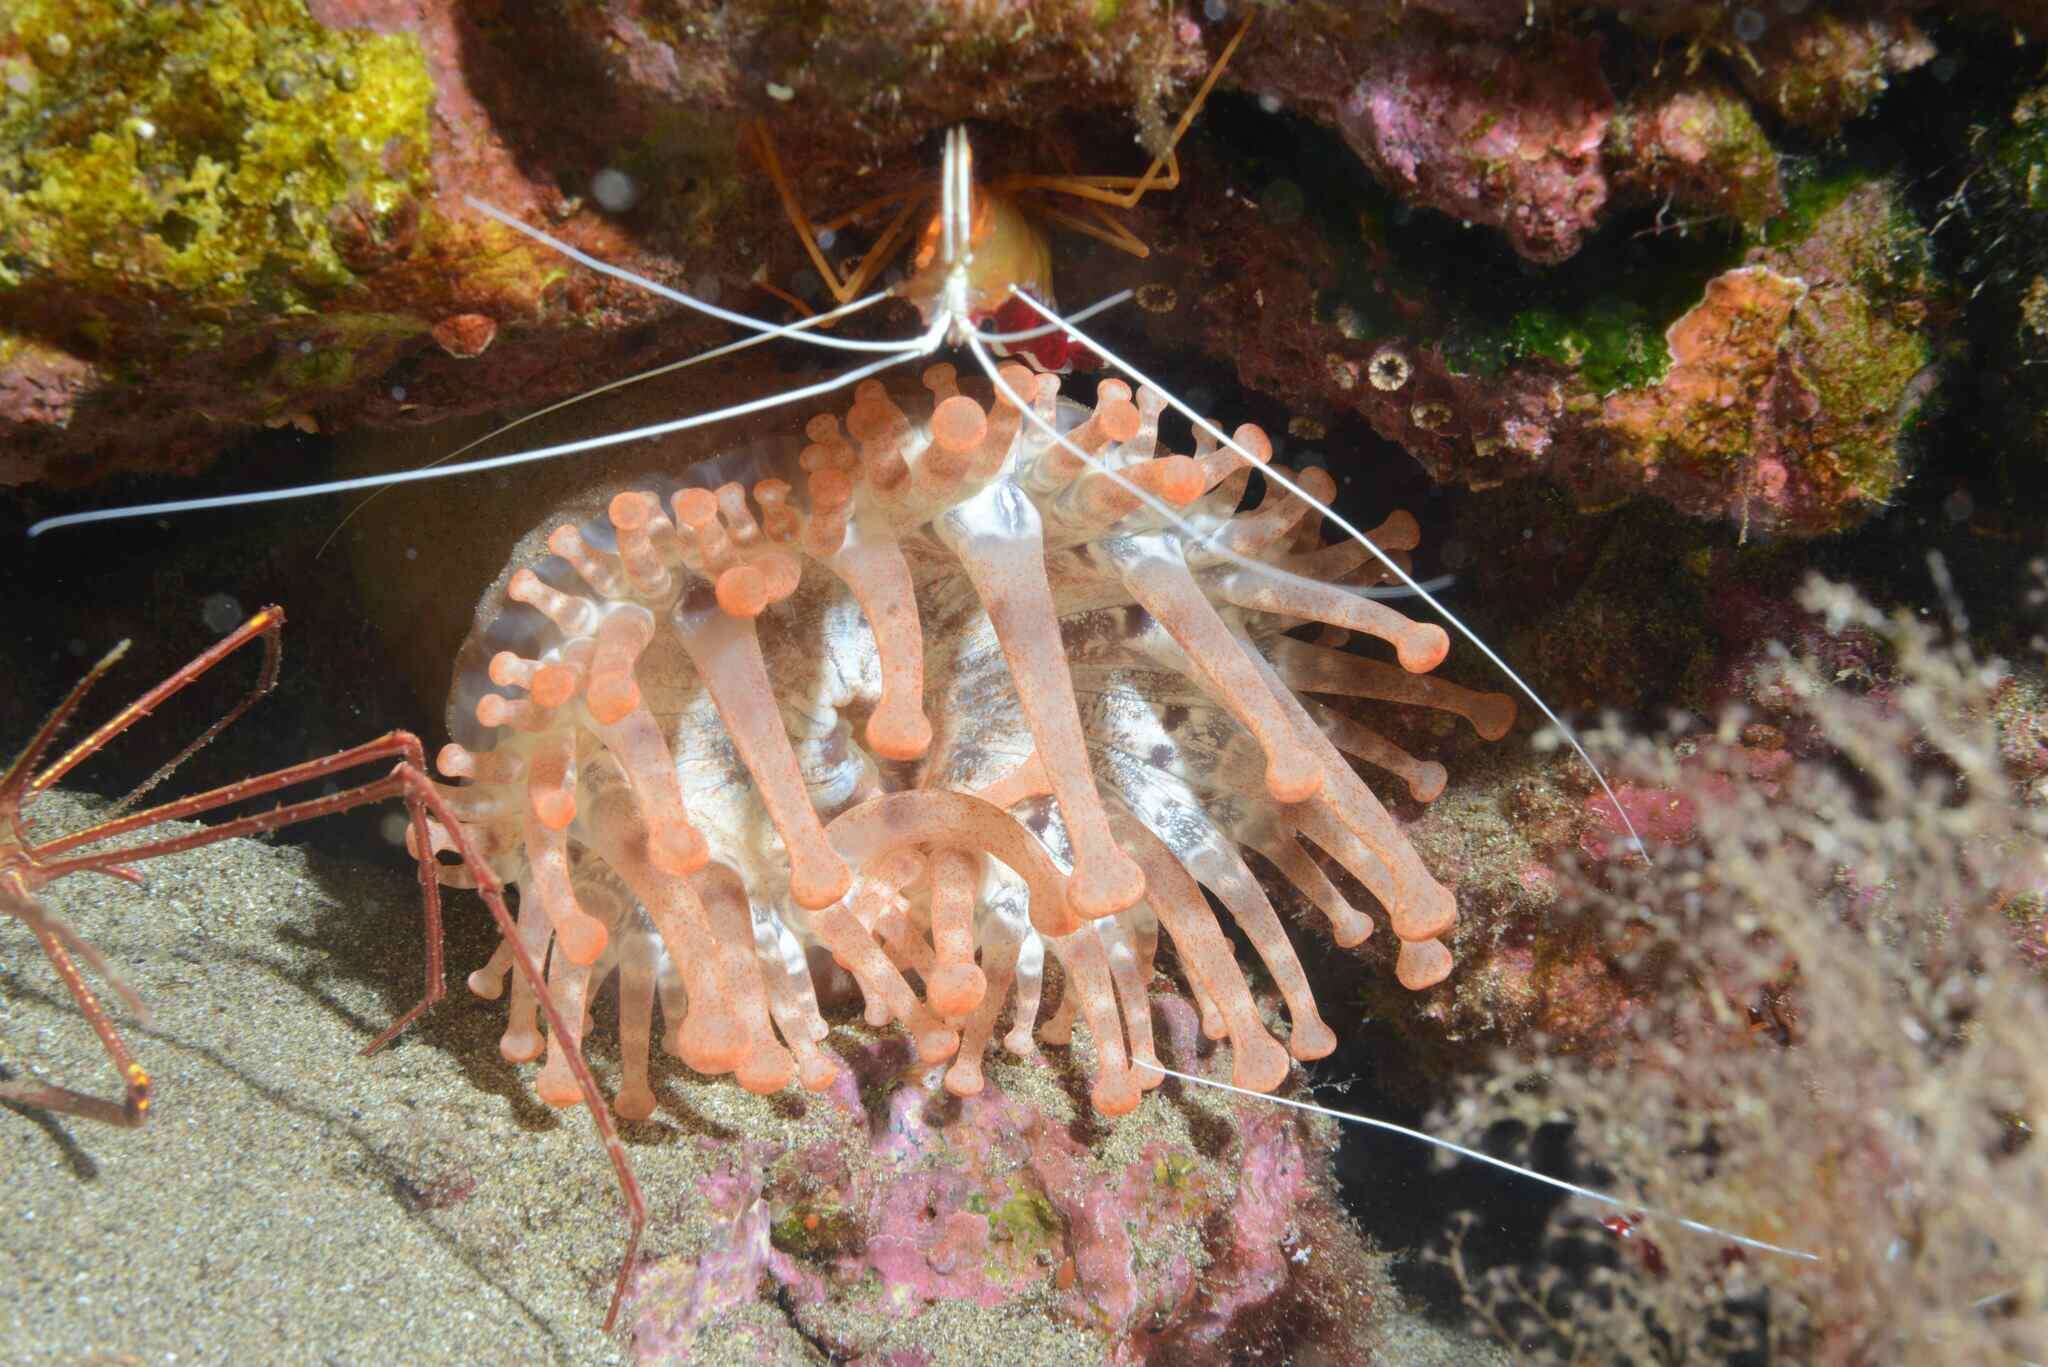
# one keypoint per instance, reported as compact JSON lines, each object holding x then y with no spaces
{"x":408,"y":780}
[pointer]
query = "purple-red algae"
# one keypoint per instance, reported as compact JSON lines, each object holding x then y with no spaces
{"x":1505,"y":136}
{"x":1179,"y":1236}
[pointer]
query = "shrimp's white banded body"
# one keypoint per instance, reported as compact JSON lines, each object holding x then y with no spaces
{"x":928,"y":693}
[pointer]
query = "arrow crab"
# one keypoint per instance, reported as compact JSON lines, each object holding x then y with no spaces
{"x":28,"y":864}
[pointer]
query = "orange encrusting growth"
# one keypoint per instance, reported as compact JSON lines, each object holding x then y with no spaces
{"x":907,"y":680}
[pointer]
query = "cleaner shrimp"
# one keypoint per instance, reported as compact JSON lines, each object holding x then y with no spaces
{"x":955,"y":295}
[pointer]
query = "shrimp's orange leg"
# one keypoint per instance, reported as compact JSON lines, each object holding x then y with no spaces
{"x":862,"y":210}
{"x":1124,"y":192}
{"x":1098,"y":225}
{"x":756,"y":138}
{"x":786,"y":297}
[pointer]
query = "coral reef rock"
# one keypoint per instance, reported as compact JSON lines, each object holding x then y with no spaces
{"x":159,"y":295}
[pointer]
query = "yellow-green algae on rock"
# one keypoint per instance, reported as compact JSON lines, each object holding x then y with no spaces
{"x":196,"y":152}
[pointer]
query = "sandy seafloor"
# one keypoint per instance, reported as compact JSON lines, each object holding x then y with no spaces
{"x":291,"y":1200}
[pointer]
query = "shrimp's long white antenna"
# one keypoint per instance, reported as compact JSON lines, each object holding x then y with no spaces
{"x":655,"y":287}
{"x":897,"y":352}
{"x":1209,"y":541}
{"x":1439,"y":584}
{"x":955,"y":203}
{"x":963,"y":181}
{"x":1462,"y":1151}
{"x":1344,"y":525}
{"x":904,"y":352}
{"x":816,"y":320}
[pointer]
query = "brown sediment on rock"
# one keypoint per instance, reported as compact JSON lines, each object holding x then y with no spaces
{"x":1821,"y":70}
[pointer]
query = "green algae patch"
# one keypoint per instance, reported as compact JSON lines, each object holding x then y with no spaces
{"x":1862,"y":338}
{"x":1607,"y":327}
{"x":1609,"y":342}
{"x":198,"y":154}
{"x":341,"y":350}
{"x":1027,"y":1220}
{"x":816,"y":1233}
{"x":1810,"y":194}
{"x":1175,"y":1172}
{"x":1862,"y":368}
{"x":1612,"y":344}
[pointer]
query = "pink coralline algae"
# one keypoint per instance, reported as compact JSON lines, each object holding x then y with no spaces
{"x":695,"y":1294}
{"x":1729,"y":383}
{"x":1697,"y":147}
{"x":1793,"y":379}
{"x":1146,"y":1244}
{"x":1489,"y":134}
